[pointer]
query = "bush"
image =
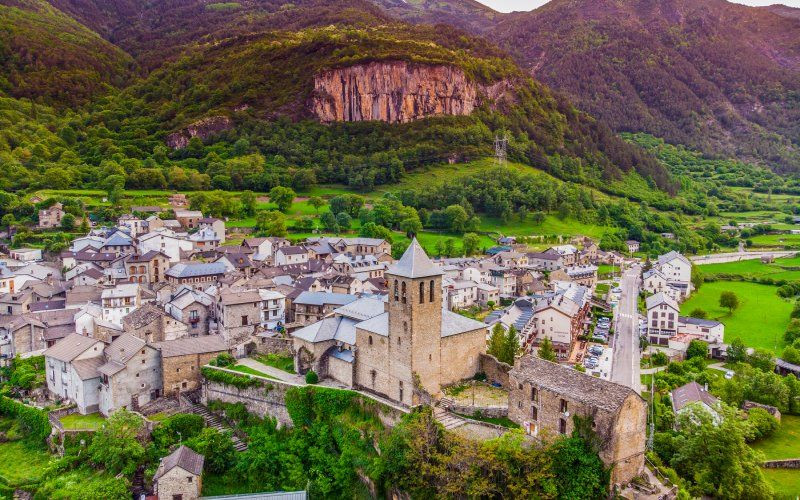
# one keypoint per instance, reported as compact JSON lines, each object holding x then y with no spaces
{"x":181,"y":426}
{"x":223,"y":360}
{"x":228,"y":378}
{"x":760,"y":423}
{"x":697,"y":349}
{"x":659,"y":358}
{"x":33,"y":422}
{"x":311,"y":377}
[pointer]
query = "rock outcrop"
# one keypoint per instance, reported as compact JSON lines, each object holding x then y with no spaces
{"x":392,"y":91}
{"x":203,"y":129}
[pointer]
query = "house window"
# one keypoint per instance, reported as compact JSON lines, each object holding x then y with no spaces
{"x":534,"y":394}
{"x":401,"y":390}
{"x":183,"y":385}
{"x":370,"y":340}
{"x":143,"y":361}
{"x":563,"y":406}
{"x":244,"y":320}
{"x":189,"y":479}
{"x":177,"y":497}
{"x":562,"y":426}
{"x":534,"y":413}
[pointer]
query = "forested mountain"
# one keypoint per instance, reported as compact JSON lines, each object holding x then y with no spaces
{"x":720,"y":77}
{"x":45,"y":53}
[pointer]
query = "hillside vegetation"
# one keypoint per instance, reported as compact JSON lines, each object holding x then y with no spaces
{"x":47,"y":55}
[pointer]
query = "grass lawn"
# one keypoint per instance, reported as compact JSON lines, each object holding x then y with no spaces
{"x":760,"y":320}
{"x":502,"y":421}
{"x":285,"y":363}
{"x":76,"y":421}
{"x":785,"y":482}
{"x":215,"y":484}
{"x":250,"y":371}
{"x":784,"y":443}
{"x":21,"y":464}
{"x":776,"y":240}
{"x":786,"y":269}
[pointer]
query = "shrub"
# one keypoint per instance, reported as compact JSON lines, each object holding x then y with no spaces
{"x":659,"y":358}
{"x":33,"y":422}
{"x":223,"y":360}
{"x":311,"y":377}
{"x":228,"y":378}
{"x":760,"y":423}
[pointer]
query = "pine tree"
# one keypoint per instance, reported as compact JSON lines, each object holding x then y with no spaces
{"x":510,"y":346}
{"x":546,"y":350}
{"x":497,"y":342}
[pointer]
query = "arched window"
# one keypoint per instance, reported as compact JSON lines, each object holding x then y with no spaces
{"x":403,"y":291}
{"x":421,"y":292}
{"x":405,"y":327}
{"x":396,"y":297}
{"x":432,"y":292}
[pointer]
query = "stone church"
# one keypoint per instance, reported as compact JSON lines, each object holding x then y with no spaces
{"x":405,"y":346}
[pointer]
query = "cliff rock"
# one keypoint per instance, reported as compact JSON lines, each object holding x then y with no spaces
{"x":202,"y":128}
{"x":393,"y":92}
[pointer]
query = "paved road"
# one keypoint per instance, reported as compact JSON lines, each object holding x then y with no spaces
{"x":625,"y":368}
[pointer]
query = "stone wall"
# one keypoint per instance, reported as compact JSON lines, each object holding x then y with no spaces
{"x":275,"y":345}
{"x":496,"y":371}
{"x":789,"y":463}
{"x":485,"y":411}
{"x":262,"y":401}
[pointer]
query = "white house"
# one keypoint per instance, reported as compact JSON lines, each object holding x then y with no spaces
{"x":71,"y":371}
{"x":120,"y":301}
{"x":165,"y":241}
{"x":709,"y":330}
{"x":291,"y":254}
{"x":662,"y":318}
{"x":677,"y":270}
{"x":273,"y":308}
{"x":693,"y":394}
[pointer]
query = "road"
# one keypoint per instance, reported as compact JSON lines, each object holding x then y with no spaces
{"x":625,"y":366}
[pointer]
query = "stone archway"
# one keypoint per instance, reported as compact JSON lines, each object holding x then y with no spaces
{"x":303,"y":360}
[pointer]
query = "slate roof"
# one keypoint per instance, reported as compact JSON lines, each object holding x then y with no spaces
{"x":70,"y":347}
{"x":572,"y":383}
{"x":182,"y":457}
{"x":708,"y":323}
{"x":362,"y":309}
{"x":691,"y":393}
{"x":658,"y":299}
{"x":322,"y":298}
{"x":48,"y":305}
{"x":193,"y":269}
{"x":142,"y":316}
{"x":414,"y":263}
{"x":454,"y":324}
{"x":119,"y":352}
{"x":229,"y":297}
{"x":191,"y":345}
{"x":87,"y":368}
{"x":333,"y":328}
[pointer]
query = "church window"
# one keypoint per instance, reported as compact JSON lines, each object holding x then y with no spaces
{"x":403,"y":291}
{"x":421,"y":292}
{"x":432,"y":292}
{"x":395,"y":291}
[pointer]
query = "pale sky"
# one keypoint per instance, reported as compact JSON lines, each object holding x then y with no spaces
{"x":509,"y":5}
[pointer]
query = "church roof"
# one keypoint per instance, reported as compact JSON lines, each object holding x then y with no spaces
{"x":414,"y":263}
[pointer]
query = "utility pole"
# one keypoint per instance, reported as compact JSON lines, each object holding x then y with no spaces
{"x":500,"y":148}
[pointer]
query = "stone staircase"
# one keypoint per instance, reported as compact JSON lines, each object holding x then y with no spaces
{"x":214,"y":421}
{"x":448,"y":420}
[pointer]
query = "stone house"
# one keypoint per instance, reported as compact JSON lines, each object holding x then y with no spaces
{"x":178,"y":200}
{"x":165,"y":241}
{"x":151,"y":324}
{"x":20,"y":334}
{"x":197,"y":274}
{"x":131,"y":375}
{"x":205,"y":239}
{"x":237,"y":262}
{"x":192,"y":307}
{"x":289,"y":255}
{"x":263,"y":249}
{"x":71,"y":371}
{"x":487,"y":293}
{"x":545,"y":398}
{"x":582,"y":275}
{"x":179,"y":475}
{"x":189,"y":219}
{"x":148,"y":267}
{"x":51,"y":217}
{"x":568,"y":254}
{"x":120,"y":301}
{"x":181,"y":360}
{"x":118,"y":243}
{"x":310,"y":307}
{"x":238,"y":314}
{"x":216,"y":225}
{"x":16,"y":303}
{"x":360,"y":246}
{"x":273,"y":308}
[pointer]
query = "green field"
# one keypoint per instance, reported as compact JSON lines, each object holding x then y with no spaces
{"x":785,"y":482}
{"x":784,"y":443}
{"x":76,"y":421}
{"x":20,"y":464}
{"x":285,"y":363}
{"x":781,"y":269}
{"x":250,"y":371}
{"x":777,"y":240}
{"x":760,"y":320}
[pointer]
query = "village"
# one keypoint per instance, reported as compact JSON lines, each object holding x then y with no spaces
{"x":154,"y":315}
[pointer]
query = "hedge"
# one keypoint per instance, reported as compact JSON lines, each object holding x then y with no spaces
{"x":34,"y":422}
{"x":228,"y":378}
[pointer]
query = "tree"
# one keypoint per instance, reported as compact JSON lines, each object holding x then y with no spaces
{"x":439,"y":246}
{"x":761,"y":424}
{"x":471,"y":244}
{"x":715,"y":458}
{"x":271,"y":223}
{"x":116,"y":445}
{"x":737,"y":352}
{"x":8,"y":221}
{"x":68,"y":222}
{"x":697,"y":277}
{"x":729,"y":300}
{"x":328,"y":221}
{"x":316,"y":202}
{"x":761,"y":359}
{"x":546,"y":350}
{"x":114,"y":184}
{"x":282,"y":197}
{"x":511,"y":346}
{"x":697,"y":349}
{"x":578,"y":470}
{"x":410,"y":225}
{"x":457,"y":218}
{"x":248,"y":201}
{"x":791,"y":355}
{"x":450,"y":247}
{"x":343,"y":220}
{"x":497,"y":341}
{"x":699,"y":313}
{"x":84,"y":227}
{"x":792,"y":331}
{"x":216,"y":447}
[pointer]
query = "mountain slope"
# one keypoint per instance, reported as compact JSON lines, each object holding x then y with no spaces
{"x":719,"y":77}
{"x":469,"y":15}
{"x":46,"y":54}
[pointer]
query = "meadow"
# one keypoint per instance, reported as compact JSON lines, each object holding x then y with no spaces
{"x":784,"y":443}
{"x":782,"y":269}
{"x":760,"y":320}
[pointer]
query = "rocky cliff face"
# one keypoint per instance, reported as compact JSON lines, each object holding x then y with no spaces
{"x":202,"y":128}
{"x":393,"y":92}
